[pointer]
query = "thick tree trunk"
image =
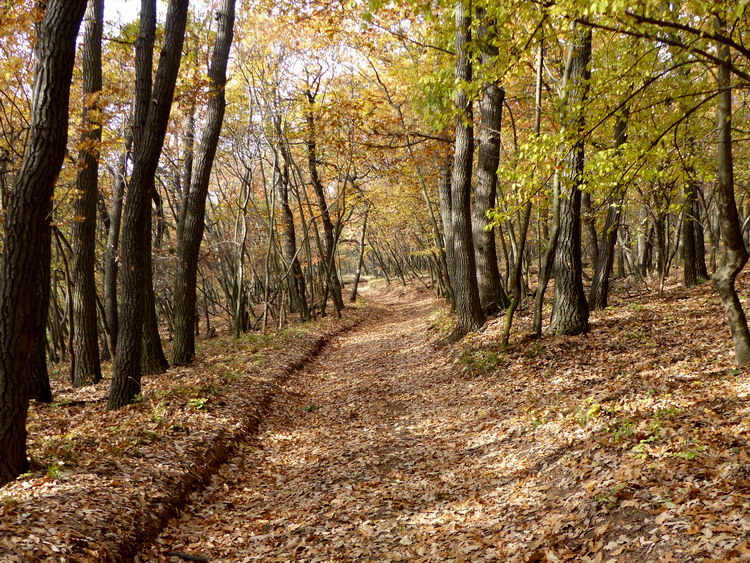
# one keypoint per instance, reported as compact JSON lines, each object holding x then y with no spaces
{"x":26,"y":224}
{"x":570,"y":313}
{"x":190,"y":231}
{"x":492,"y":295}
{"x":469,"y":315}
{"x":87,"y":367}
{"x":735,"y":254}
{"x":126,"y":376}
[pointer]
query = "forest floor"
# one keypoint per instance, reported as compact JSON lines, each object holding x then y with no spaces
{"x":628,"y":444}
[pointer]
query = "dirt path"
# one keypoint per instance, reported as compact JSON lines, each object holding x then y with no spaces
{"x":355,"y":461}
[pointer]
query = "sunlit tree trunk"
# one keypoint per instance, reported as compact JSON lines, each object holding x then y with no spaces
{"x":492,"y":295}
{"x":469,"y":315}
{"x":570,"y":312}
{"x":735,"y":254}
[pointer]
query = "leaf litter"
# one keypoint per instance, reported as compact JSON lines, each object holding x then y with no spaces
{"x":628,"y":444}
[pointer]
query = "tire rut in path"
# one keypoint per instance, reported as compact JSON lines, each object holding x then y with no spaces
{"x":354,"y":460}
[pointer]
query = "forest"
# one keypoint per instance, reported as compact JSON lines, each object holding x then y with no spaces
{"x":406,"y":280}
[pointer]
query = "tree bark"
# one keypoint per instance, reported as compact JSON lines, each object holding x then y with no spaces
{"x":40,"y":384}
{"x":190,"y":230}
{"x":126,"y":377}
{"x":26,"y":223}
{"x":570,"y":312}
{"x":492,"y":295}
{"x":469,"y":315}
{"x":87,"y":368}
{"x":735,"y":254}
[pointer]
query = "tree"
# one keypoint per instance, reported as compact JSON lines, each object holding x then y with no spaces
{"x":735,"y":253}
{"x":469,"y":315}
{"x":126,"y":377}
{"x":27,"y":221}
{"x":86,"y":367}
{"x":492,"y":296}
{"x":192,"y":216}
{"x":570,"y":312}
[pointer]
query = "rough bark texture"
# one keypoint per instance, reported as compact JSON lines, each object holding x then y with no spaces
{"x":27,"y":222}
{"x":469,"y":315}
{"x":599,"y":293}
{"x":735,"y":254}
{"x":570,"y":313}
{"x":191,"y":229}
{"x":126,"y":377}
{"x":492,"y":296}
{"x":87,"y":368}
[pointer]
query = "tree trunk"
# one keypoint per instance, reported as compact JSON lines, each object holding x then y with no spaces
{"x":27,"y":222}
{"x":735,"y":254}
{"x":700,"y":242}
{"x":360,"y":256}
{"x":469,"y":315}
{"x":446,"y":214}
{"x":492,"y":296}
{"x":126,"y":376}
{"x":153,"y":359}
{"x":328,"y":228}
{"x":86,"y":342}
{"x":40,"y":385}
{"x":190,"y":230}
{"x":570,"y":312}
{"x":599,"y":293}
{"x":690,"y":274}
{"x":296,"y":278}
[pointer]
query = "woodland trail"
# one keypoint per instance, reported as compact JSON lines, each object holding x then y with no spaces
{"x":368,"y":453}
{"x":386,"y":448}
